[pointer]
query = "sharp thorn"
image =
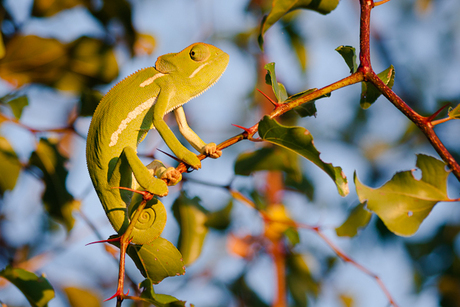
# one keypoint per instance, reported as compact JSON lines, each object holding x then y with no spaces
{"x":276,"y":104}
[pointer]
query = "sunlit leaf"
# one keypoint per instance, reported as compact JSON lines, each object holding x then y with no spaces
{"x":17,"y":105}
{"x":2,"y":46}
{"x":349,"y":55}
{"x":159,"y":300}
{"x":79,"y":297}
{"x":33,"y":59}
{"x":359,"y":217}
{"x":278,"y":222}
{"x":423,"y":6}
{"x":46,"y":8}
{"x":268,"y":159}
{"x":454,"y":112}
{"x":369,"y":93}
{"x":270,"y":78}
{"x":37,"y":290}
{"x":347,"y":300}
{"x":282,"y":7}
{"x":157,"y":260}
{"x":300,"y":281}
{"x":10,"y":166}
{"x":404,"y":202}
{"x":192,"y":218}
{"x":145,"y":44}
{"x":299,"y":140}
{"x":59,"y":203}
{"x":91,"y":62}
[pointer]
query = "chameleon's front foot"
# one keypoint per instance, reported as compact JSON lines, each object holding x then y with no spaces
{"x":210,"y":150}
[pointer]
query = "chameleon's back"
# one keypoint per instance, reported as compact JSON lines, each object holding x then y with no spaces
{"x":121,"y":120}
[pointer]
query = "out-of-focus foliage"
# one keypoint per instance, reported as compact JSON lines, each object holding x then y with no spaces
{"x":83,"y":63}
{"x":37,"y":290}
{"x":273,"y":191}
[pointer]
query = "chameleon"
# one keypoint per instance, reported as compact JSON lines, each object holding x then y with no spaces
{"x":121,"y":121}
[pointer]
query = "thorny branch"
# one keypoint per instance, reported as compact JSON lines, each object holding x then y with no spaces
{"x":364,"y":73}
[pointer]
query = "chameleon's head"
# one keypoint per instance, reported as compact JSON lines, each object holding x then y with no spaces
{"x":200,"y":64}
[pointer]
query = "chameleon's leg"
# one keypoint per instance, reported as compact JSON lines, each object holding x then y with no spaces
{"x":209,"y":149}
{"x":129,"y":162}
{"x":159,"y":110}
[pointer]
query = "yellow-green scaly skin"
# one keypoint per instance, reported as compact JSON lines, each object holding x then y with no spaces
{"x":124,"y":116}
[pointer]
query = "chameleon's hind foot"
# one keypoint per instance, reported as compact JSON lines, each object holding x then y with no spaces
{"x":171,"y":175}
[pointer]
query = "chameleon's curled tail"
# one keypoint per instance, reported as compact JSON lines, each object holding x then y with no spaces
{"x":150,"y":223}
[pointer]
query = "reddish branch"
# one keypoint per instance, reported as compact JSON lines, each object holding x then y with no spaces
{"x":364,"y":73}
{"x":425,"y":124}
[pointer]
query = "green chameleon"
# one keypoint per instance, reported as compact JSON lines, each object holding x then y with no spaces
{"x":125,"y":115}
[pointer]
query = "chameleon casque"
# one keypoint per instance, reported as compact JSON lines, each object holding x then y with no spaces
{"x":122,"y":119}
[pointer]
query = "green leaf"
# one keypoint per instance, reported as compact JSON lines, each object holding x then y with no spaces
{"x":159,"y":300}
{"x":300,"y":141}
{"x":2,"y":46}
{"x":220,"y":220}
{"x":192,"y":218}
{"x":268,"y":159}
{"x":157,"y":260}
{"x":245,"y":294}
{"x":349,"y":55}
{"x":270,"y":78}
{"x":359,"y":217}
{"x":10,"y":166}
{"x":82,"y":297}
{"x":404,"y":202}
{"x":292,"y":235}
{"x":37,"y":290}
{"x":282,"y":7}
{"x":296,"y":40}
{"x":369,"y":93}
{"x":454,"y":112}
{"x":17,"y":105}
{"x":308,"y":108}
{"x":303,"y":186}
{"x":58,"y":201}
{"x":45,"y":8}
{"x":300,"y":281}
{"x":89,"y":100}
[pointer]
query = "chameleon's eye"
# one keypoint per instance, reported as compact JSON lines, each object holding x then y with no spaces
{"x":199,"y":53}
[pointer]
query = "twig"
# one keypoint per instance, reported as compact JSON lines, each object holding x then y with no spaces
{"x":423,"y":123}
